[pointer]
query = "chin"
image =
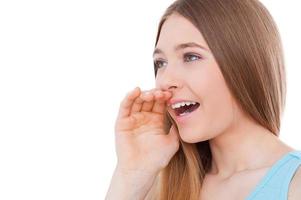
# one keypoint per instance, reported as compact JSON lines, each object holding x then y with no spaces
{"x":193,"y":136}
{"x":190,"y":138}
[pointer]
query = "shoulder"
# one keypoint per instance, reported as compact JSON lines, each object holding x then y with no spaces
{"x":294,"y":192}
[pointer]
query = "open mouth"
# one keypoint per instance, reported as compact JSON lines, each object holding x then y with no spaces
{"x":183,"y":110}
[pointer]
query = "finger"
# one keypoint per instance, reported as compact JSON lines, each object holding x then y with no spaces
{"x":167,"y":122}
{"x":137,"y":105}
{"x":173,"y":136}
{"x":127,"y":103}
{"x":149,"y":98}
{"x":160,"y":103}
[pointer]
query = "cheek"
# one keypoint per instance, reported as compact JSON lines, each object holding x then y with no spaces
{"x":216,"y":104}
{"x":215,"y":115}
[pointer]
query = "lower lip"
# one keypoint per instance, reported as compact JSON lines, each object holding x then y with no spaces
{"x":185,"y":117}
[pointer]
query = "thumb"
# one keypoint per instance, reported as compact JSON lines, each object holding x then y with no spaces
{"x":173,"y":135}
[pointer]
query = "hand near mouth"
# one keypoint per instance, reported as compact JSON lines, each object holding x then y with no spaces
{"x":142,"y":141}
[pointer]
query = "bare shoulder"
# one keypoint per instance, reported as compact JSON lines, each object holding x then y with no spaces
{"x":294,"y":192}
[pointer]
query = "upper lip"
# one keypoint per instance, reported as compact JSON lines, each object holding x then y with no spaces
{"x":173,"y":101}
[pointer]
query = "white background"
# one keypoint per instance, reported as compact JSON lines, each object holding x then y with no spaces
{"x":64,"y":68}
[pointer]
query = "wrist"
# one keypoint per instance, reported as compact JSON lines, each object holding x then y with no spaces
{"x":130,"y":184}
{"x":135,"y":173}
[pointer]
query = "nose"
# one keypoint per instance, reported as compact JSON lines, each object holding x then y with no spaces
{"x":167,"y":80}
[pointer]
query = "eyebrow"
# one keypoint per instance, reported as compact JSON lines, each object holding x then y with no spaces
{"x":181,"y":46}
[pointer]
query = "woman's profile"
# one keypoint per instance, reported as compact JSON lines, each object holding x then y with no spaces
{"x":209,"y":130}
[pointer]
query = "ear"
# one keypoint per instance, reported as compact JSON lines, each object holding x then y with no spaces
{"x":295,"y":186}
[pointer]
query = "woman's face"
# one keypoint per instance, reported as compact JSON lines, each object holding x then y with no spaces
{"x":192,"y":74}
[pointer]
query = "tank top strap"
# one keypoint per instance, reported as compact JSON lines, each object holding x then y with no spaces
{"x":291,"y":168}
{"x":296,"y":153}
{"x":275,"y":183}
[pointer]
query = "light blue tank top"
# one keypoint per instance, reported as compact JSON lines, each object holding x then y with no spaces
{"x":275,"y":183}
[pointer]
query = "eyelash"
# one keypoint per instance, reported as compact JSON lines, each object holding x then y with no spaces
{"x":185,"y":55}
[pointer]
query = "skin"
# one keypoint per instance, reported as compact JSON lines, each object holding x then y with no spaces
{"x":144,"y":146}
{"x":239,"y":145}
{"x":242,"y":150}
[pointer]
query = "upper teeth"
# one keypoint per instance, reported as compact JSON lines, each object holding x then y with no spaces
{"x":178,"y":105}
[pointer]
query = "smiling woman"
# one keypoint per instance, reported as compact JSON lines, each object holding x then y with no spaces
{"x":222,"y":70}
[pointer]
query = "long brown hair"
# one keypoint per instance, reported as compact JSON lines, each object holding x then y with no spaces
{"x":246,"y":44}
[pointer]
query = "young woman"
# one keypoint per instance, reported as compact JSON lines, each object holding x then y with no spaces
{"x":209,"y":129}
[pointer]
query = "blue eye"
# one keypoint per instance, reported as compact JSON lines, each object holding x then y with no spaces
{"x":189,"y":55}
{"x":159,"y":62}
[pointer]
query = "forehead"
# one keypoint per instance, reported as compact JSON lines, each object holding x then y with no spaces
{"x":177,"y":29}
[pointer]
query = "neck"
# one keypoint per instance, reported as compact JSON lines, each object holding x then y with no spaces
{"x":244,"y":146}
